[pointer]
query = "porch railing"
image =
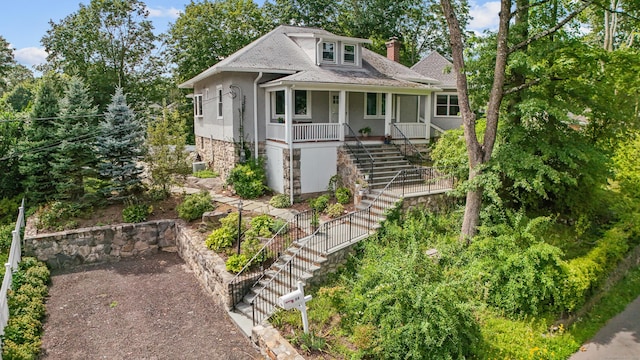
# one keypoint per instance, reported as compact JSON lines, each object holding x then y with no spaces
{"x":15,"y":255}
{"x":305,"y":132}
{"x":359,"y":151}
{"x":406,"y":145}
{"x":337,"y":233}
{"x":416,"y":130}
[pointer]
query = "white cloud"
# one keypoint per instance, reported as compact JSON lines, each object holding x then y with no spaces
{"x":485,"y":16}
{"x":30,"y":56}
{"x":161,"y":12}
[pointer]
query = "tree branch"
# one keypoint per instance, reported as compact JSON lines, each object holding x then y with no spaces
{"x":522,"y":86}
{"x":551,"y":30}
{"x":614,"y":11}
{"x":527,"y":7}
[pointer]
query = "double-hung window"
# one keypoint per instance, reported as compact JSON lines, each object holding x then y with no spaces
{"x":197,"y":105}
{"x":375,"y":105}
{"x":301,"y":103}
{"x":329,"y":52}
{"x":219,"y":100}
{"x":348,"y":54}
{"x":447,"y":105}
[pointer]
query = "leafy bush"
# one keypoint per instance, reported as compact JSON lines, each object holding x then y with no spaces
{"x":309,"y":342}
{"x":343,"y":195}
{"x":279,"y":224}
{"x":335,"y":210}
{"x":226,"y":234}
{"x":57,"y":215}
{"x":280,"y":201}
{"x":6,"y":237}
{"x":248,"y":179}
{"x":26,"y":309}
{"x":250,"y":247}
{"x":261,"y":225}
{"x":195,"y":205}
{"x":206,"y":174}
{"x":136,"y":213}
{"x":320,"y":203}
{"x":236,"y":262}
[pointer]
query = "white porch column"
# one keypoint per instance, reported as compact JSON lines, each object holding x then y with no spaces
{"x":267,"y":110}
{"x":288,"y":120}
{"x":342,"y":112}
{"x":427,"y":114}
{"x":388,"y":103}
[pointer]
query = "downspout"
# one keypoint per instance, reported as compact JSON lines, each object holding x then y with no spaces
{"x":255,"y":114}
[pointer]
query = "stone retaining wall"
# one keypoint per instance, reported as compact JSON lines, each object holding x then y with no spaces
{"x":100,"y":244}
{"x":435,"y":202}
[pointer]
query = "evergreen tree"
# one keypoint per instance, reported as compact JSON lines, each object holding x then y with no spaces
{"x":37,"y":156}
{"x":74,"y":159}
{"x":120,"y":147}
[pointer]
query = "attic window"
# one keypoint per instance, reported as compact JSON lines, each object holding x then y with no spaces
{"x":197,"y":105}
{"x":329,"y":52}
{"x":349,"y":54}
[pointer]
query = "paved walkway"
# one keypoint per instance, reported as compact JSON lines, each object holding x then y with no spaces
{"x":619,"y":339}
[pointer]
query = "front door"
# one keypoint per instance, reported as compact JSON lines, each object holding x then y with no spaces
{"x":334,"y":107}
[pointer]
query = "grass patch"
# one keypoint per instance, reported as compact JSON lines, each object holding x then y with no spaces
{"x":206,"y":174}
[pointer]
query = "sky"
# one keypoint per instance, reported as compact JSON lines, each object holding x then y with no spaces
{"x":24,"y":24}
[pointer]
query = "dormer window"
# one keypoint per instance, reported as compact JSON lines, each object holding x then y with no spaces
{"x":348,"y":54}
{"x":329,"y":52}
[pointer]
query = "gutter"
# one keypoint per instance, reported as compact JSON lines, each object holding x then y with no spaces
{"x":255,"y":114}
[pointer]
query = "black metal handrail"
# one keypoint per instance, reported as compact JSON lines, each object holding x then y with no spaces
{"x":409,"y":143}
{"x":360,"y":146}
{"x":296,"y":228}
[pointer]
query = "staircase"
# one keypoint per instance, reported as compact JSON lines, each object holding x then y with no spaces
{"x":387,"y":161}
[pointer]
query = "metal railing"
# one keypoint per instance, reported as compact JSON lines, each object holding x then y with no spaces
{"x":337,"y":233}
{"x":15,"y":255}
{"x":296,"y":228}
{"x":406,"y":144}
{"x":360,"y":154}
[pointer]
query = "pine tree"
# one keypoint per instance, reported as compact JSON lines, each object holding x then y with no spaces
{"x":74,"y":159}
{"x":36,"y":147}
{"x":120,"y":147}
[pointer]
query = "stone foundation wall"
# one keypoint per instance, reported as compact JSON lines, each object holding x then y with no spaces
{"x":435,"y":203}
{"x":334,"y":261}
{"x":100,"y":244}
{"x":297,"y":189}
{"x":347,"y":169}
{"x":219,"y":155}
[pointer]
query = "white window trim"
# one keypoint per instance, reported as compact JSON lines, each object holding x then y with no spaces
{"x":355,"y":54}
{"x":275,"y":115}
{"x":435,"y":105}
{"x":197,"y":99}
{"x":379,"y":114}
{"x":335,"y":52}
{"x":219,"y":105}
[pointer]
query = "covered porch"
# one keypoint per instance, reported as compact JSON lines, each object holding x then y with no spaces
{"x":298,"y":114}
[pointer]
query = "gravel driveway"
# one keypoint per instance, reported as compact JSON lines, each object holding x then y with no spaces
{"x":150,"y":308}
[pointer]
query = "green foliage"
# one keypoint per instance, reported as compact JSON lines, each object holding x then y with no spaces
{"x":58,"y":215}
{"x":226,"y":234}
{"x":261,"y":225}
{"x":136,"y":213}
{"x":309,"y":342}
{"x":166,"y":157}
{"x":279,"y":224}
{"x":6,"y":237}
{"x":206,"y":174}
{"x":120,"y":149}
{"x":249,"y":179}
{"x":280,"y":201}
{"x":627,"y":169}
{"x":335,"y":210}
{"x":9,"y":209}
{"x":320,"y":203}
{"x":343,"y":195}
{"x":236,"y":262}
{"x":250,"y":247}
{"x":26,"y":309}
{"x":194,"y":205}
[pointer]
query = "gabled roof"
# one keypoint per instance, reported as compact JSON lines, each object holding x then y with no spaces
{"x":438,"y":67}
{"x":277,"y":52}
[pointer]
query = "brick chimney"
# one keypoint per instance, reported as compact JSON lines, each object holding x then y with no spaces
{"x":393,"y":49}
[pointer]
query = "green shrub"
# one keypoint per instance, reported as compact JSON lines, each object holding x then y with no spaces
{"x":56,"y":215}
{"x":136,"y":213}
{"x":261,"y":225}
{"x":309,"y":342}
{"x":280,"y":201}
{"x":343,"y":195}
{"x":206,"y":174}
{"x":335,"y":210}
{"x":250,"y":247}
{"x":226,"y":234}
{"x":6,"y":237}
{"x":194,"y":206}
{"x":236,"y":262}
{"x":248,"y":179}
{"x":320,"y":203}
{"x":279,"y":224}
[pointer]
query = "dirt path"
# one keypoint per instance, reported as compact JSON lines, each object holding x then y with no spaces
{"x":138,"y":309}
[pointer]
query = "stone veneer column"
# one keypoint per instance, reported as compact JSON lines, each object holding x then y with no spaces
{"x":297,"y":190}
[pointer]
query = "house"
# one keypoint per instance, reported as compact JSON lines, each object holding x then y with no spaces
{"x":446,"y":112}
{"x":299,"y":95}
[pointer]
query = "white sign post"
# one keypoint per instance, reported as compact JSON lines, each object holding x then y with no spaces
{"x":296,"y":299}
